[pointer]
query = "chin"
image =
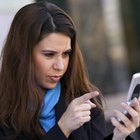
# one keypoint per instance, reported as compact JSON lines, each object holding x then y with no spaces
{"x":51,"y":85}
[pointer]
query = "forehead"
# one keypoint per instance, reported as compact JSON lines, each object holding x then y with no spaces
{"x":55,"y":41}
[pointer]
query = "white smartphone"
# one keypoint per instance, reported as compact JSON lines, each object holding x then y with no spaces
{"x":134,"y":88}
{"x":133,"y":92}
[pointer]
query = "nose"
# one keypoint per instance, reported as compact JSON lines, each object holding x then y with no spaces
{"x":59,"y":64}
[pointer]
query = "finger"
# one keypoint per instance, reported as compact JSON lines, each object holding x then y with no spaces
{"x":136,"y":105}
{"x":119,"y":126}
{"x":134,"y":102}
{"x":84,"y":107}
{"x":85,"y":119}
{"x":122,"y":117}
{"x":86,"y":97}
{"x":134,"y":114}
{"x":85,"y":113}
{"x":139,"y":99}
{"x":90,"y":103}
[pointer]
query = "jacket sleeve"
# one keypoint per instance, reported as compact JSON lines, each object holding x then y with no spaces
{"x":109,"y":137}
{"x":98,"y":127}
{"x":55,"y":134}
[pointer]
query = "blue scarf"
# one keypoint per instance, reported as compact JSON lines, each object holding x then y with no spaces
{"x":47,"y":116}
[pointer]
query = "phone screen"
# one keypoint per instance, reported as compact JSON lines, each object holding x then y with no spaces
{"x":136,"y":92}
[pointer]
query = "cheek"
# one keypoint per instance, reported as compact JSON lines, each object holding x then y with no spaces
{"x":42,"y":67}
{"x":66,"y":64}
{"x":41,"y":71}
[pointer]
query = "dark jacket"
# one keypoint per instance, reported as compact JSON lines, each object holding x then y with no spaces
{"x":92,"y":130}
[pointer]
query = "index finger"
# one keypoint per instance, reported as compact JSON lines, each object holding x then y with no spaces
{"x":135,"y":104}
{"x":139,"y":99}
{"x":86,"y":97}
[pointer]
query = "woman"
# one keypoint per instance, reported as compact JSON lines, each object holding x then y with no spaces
{"x":44,"y":92}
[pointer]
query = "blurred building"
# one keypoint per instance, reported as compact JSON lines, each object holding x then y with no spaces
{"x":8,"y":9}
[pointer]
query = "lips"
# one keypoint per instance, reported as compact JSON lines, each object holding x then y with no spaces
{"x":55,"y":78}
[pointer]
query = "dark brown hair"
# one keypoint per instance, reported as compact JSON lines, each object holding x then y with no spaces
{"x":20,"y":96}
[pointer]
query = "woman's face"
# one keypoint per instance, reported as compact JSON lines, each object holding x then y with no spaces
{"x":51,"y":59}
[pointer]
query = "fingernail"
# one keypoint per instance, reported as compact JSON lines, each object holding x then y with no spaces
{"x":135,"y":99}
{"x":112,"y":118}
{"x":114,"y":111}
{"x":92,"y":104}
{"x":96,"y":92}
{"x":123,"y":104}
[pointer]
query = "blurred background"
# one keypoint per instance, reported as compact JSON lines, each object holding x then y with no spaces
{"x":109,"y":37}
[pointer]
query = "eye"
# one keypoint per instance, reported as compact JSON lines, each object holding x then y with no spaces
{"x":67,"y":53}
{"x":49,"y":55}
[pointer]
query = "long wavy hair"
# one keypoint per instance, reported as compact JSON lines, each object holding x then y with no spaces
{"x":20,"y":96}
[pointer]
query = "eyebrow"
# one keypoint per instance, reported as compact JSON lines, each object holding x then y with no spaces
{"x":52,"y":51}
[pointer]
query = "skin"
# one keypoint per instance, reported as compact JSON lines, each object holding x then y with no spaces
{"x":130,"y":125}
{"x":51,"y":59}
{"x":77,"y":113}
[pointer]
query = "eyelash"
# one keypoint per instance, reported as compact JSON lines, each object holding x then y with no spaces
{"x":67,"y":53}
{"x":50,"y":55}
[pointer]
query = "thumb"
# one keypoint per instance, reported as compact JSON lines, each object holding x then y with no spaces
{"x":86,"y":97}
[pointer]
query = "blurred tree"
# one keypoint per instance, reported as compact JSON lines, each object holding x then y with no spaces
{"x":104,"y":70}
{"x":91,"y":37}
{"x":131,"y":19}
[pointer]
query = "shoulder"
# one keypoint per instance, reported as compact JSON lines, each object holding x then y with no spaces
{"x":8,"y":134}
{"x":4,"y":132}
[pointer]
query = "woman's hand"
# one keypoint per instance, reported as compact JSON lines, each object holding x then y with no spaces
{"x":77,"y":113}
{"x":122,"y":130}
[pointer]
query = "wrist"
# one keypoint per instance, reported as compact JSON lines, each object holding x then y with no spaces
{"x":116,"y":138}
{"x":66,"y":131}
